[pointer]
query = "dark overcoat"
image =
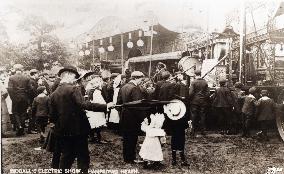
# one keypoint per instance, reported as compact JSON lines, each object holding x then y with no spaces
{"x":67,"y":111}
{"x":265,"y":109}
{"x":199,"y":92}
{"x":33,"y":91}
{"x":157,"y":89}
{"x":168,"y":91}
{"x":223,"y":98}
{"x":131,"y":118}
{"x":19,"y":88}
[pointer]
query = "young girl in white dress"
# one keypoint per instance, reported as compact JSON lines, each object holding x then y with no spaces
{"x":114,"y":115}
{"x":97,"y":120}
{"x":151,"y":149}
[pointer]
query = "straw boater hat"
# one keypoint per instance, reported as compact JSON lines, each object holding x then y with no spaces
{"x":175,"y":110}
{"x":70,"y":69}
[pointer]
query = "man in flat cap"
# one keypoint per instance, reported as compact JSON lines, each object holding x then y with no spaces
{"x":131,"y":118}
{"x":199,"y":100}
{"x":67,"y":112}
{"x":19,"y":88}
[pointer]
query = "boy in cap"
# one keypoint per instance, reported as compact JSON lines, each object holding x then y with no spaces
{"x":248,"y":111}
{"x":40,"y":110}
{"x":265,"y":112}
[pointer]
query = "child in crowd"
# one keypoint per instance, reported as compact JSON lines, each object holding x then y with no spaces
{"x":265,"y":112}
{"x":97,"y":120}
{"x":151,"y":150}
{"x":40,"y":111}
{"x":176,"y":123}
{"x":248,"y":111}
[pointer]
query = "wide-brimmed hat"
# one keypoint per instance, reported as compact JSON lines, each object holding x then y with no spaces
{"x":175,"y":110}
{"x":88,"y":74}
{"x":70,"y":69}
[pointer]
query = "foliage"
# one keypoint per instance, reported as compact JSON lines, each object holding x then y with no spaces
{"x":43,"y":46}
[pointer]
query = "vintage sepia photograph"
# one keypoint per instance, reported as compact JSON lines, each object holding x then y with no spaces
{"x":142,"y":86}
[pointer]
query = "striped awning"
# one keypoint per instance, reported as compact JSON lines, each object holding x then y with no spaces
{"x":156,"y":57}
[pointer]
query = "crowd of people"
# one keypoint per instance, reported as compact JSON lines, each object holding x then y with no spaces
{"x":79,"y":106}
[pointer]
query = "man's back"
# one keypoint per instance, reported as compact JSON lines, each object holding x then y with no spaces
{"x":222,"y":97}
{"x":265,"y":109}
{"x":66,"y":112}
{"x":167,"y":91}
{"x":199,"y":92}
{"x":19,"y":83}
{"x":131,"y":118}
{"x":129,"y":92}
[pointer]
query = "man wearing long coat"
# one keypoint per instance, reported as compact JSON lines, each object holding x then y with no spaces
{"x":67,"y":112}
{"x":199,"y":100}
{"x":131,"y":118}
{"x":19,"y":88}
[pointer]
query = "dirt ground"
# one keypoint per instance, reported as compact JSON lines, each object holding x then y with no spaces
{"x":214,"y":153}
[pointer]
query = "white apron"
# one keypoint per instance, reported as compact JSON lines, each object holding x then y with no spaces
{"x":97,"y":119}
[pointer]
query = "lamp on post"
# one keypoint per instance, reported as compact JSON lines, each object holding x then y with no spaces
{"x":110,"y":47}
{"x":140,"y":42}
{"x":129,"y":43}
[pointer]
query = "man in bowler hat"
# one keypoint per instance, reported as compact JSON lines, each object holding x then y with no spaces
{"x":67,"y":112}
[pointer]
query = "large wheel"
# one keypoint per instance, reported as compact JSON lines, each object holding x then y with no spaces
{"x":280,"y":120}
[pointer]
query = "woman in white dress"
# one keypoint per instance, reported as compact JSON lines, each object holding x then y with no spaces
{"x":114,"y":115}
{"x":97,"y":120}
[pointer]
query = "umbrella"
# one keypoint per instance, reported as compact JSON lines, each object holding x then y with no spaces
{"x":144,"y":103}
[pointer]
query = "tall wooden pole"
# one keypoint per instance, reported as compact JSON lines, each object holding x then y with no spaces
{"x":121,"y":43}
{"x":93,"y":54}
{"x":230,"y":62}
{"x":242,"y":38}
{"x":151,"y":49}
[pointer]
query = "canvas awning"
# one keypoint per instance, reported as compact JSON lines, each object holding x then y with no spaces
{"x":157,"y":57}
